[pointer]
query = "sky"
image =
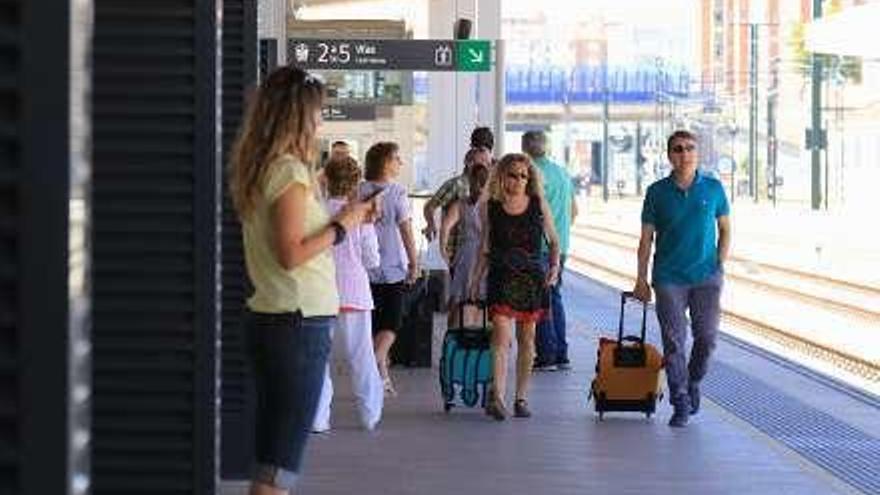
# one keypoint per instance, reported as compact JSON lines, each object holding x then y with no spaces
{"x":653,"y":12}
{"x":666,"y":26}
{"x":647,"y":12}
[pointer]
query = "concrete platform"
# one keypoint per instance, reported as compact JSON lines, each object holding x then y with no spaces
{"x":565,"y":449}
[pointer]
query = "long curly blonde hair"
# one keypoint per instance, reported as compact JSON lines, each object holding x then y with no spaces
{"x":281,"y":118}
{"x":343,"y":175}
{"x":535,"y":186}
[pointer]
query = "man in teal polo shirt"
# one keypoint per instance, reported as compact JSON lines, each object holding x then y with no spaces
{"x":550,"y":343}
{"x":684,"y":210}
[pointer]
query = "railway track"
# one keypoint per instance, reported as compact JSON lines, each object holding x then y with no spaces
{"x":853,"y":364}
{"x":858,"y":287}
{"x":832,"y":287}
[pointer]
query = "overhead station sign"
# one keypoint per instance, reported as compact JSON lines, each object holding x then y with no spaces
{"x":391,"y":54}
{"x":348,"y":113}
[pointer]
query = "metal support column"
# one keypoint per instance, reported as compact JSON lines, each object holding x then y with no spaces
{"x":753,"y":111}
{"x":827,"y":163}
{"x":815,"y":141}
{"x":771,"y":142}
{"x":734,"y":165}
{"x":605,"y":118}
{"x":500,"y":96}
{"x":638,"y":158}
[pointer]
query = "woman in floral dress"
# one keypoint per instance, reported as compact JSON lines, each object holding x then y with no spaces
{"x":516,"y":221}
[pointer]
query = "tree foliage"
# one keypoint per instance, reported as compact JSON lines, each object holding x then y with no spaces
{"x":846,"y":68}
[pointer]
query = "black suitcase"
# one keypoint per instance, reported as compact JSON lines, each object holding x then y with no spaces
{"x":412,"y":347}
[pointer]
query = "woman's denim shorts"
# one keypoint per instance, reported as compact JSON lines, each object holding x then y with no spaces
{"x":288,"y":355}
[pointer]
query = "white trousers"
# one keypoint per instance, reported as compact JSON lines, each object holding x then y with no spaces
{"x":353,"y":341}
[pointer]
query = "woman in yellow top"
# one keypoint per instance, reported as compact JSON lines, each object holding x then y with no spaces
{"x":287,"y":240}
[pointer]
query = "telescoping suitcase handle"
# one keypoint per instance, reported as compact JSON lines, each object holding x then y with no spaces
{"x":470,"y":338}
{"x":620,"y":338}
{"x":473,"y":302}
{"x":630,"y":356}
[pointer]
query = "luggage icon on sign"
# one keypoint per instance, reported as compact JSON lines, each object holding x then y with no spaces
{"x":301,"y":53}
{"x":443,"y":56}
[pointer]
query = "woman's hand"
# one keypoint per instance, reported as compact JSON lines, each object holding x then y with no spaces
{"x":354,"y":213}
{"x":376,"y":212}
{"x":444,"y":253}
{"x":473,"y":292}
{"x":430,"y":230}
{"x":552,"y":275}
{"x":412,"y":273}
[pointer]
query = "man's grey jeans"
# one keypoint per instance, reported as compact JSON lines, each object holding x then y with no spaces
{"x":703,"y":300}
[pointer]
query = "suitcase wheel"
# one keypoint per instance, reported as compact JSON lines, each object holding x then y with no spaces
{"x":447,"y":406}
{"x":650,"y":404}
{"x":469,"y":397}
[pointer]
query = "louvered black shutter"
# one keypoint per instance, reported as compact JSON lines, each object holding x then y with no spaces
{"x":12,"y":301}
{"x":44,"y":275}
{"x":239,"y":72}
{"x":156,"y":197}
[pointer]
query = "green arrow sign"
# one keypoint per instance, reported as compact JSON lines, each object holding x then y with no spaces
{"x":473,"y":55}
{"x":393,"y":54}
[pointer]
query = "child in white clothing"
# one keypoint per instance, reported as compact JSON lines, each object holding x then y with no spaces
{"x":352,"y":335}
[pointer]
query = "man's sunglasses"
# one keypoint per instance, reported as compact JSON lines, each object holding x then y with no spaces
{"x":682,"y":148}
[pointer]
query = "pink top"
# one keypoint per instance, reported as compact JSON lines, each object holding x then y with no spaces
{"x":354,"y":256}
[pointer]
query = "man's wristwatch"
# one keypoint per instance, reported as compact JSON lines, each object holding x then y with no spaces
{"x":339,"y":232}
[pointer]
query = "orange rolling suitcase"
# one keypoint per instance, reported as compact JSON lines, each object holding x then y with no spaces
{"x":628,"y":371}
